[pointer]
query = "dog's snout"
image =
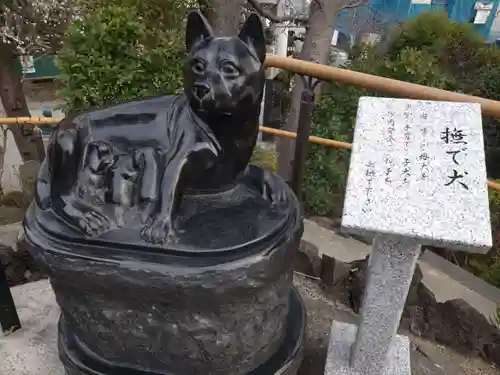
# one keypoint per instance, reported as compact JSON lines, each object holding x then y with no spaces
{"x":201,"y":90}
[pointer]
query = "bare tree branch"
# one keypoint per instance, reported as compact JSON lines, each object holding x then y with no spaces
{"x":354,"y":4}
{"x":295,"y":18}
{"x":273,"y":17}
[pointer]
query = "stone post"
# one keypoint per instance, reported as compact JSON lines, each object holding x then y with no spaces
{"x":389,"y":276}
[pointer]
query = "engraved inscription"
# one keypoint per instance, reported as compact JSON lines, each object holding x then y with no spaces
{"x":424,"y":157}
{"x":389,"y":159}
{"x":456,"y":144}
{"x":407,"y":172}
{"x":370,"y":176}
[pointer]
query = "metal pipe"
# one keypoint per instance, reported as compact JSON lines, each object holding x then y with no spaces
{"x":379,"y":84}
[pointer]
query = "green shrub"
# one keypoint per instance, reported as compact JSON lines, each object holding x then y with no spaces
{"x":326,"y":168}
{"x":487,"y":266}
{"x":455,"y":45}
{"x":115,"y":52}
{"x":335,"y":116}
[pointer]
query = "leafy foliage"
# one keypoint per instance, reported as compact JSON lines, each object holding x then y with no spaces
{"x":335,"y":117}
{"x":123,"y":50}
{"x":489,"y":87}
{"x":488,"y":267}
{"x":455,"y":45}
{"x":326,"y":168}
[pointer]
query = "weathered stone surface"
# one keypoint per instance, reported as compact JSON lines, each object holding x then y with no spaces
{"x":333,"y":224}
{"x":389,"y":276}
{"x":452,"y":323}
{"x":285,"y":361}
{"x":326,"y":222}
{"x":32,"y":350}
{"x":11,"y":214}
{"x":458,"y":325}
{"x":433,"y":360}
{"x":333,"y":244}
{"x":422,"y":365}
{"x":334,"y":272}
{"x":357,"y":281}
{"x":308,"y":260}
{"x":18,"y":263}
{"x":342,"y":345}
{"x":416,"y":315}
{"x":28,"y":172}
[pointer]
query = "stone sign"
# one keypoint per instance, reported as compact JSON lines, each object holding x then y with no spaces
{"x":417,"y":176}
{"x":422,"y":171}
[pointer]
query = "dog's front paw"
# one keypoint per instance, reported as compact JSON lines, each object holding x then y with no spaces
{"x":93,"y":223}
{"x":147,"y":211}
{"x":158,"y":231}
{"x":275,"y":195}
{"x":279,"y":197}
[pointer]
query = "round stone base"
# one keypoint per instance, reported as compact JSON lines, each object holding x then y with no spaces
{"x":78,"y":360}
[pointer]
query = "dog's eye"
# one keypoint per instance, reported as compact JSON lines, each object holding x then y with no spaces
{"x":229,"y":69}
{"x":198,"y":66}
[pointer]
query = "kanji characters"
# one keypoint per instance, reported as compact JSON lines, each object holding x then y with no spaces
{"x":457,"y":177}
{"x":454,"y":137}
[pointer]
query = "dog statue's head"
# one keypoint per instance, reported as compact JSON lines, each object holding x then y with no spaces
{"x":224,"y":75}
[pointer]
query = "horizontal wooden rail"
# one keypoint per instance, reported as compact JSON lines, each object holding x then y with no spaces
{"x":312,"y":139}
{"x":280,"y":133}
{"x":30,"y":120}
{"x":379,"y":84}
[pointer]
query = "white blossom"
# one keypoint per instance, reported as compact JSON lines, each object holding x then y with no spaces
{"x":34,"y":26}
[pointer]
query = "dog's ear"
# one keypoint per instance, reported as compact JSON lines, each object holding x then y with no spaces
{"x":252,"y":33}
{"x":197,"y":29}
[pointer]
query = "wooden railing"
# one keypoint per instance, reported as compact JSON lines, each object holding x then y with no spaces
{"x":328,"y":73}
{"x":379,"y":84}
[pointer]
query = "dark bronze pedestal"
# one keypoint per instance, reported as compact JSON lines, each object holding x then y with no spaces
{"x":184,"y":309}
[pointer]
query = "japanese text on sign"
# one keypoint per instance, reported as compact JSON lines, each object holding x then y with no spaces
{"x":389,"y":160}
{"x":370,"y":175}
{"x":457,"y":146}
{"x":407,"y":139}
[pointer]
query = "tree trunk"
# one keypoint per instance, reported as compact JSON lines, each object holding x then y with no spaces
{"x":225,"y":16}
{"x":30,"y":144}
{"x":316,"y":48}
